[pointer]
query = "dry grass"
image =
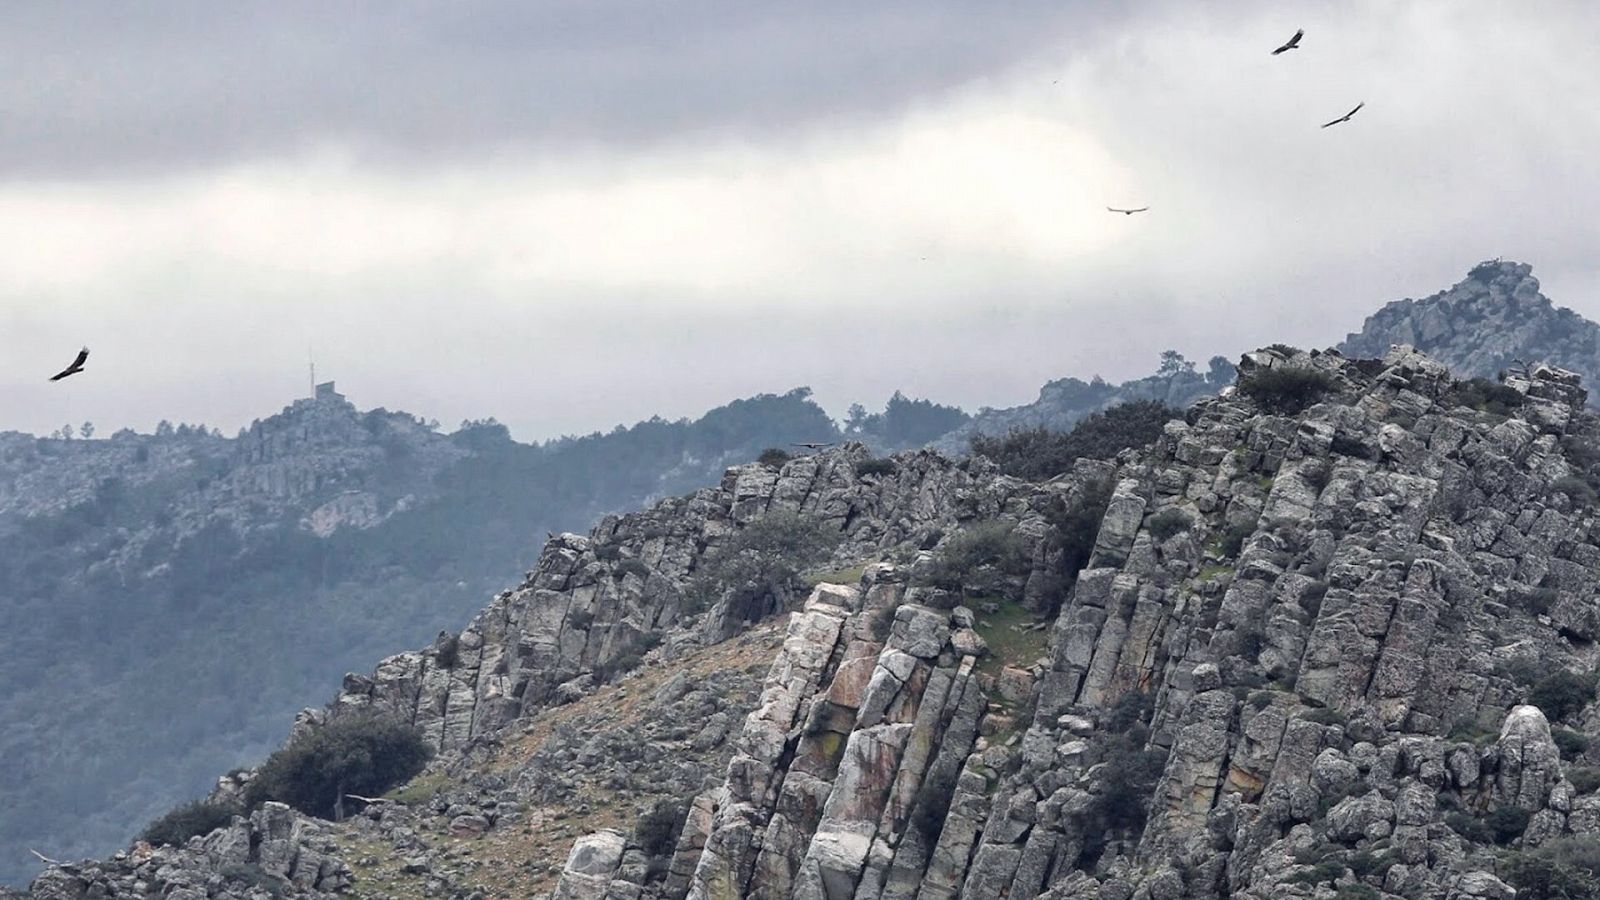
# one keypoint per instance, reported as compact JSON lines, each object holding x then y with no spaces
{"x":1011,"y":638}
{"x":525,"y":857}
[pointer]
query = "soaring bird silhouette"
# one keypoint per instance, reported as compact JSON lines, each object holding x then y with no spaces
{"x":811,"y":445}
{"x":1346,"y":116}
{"x":1292,"y":44}
{"x":1126,"y":212}
{"x":75,"y":368}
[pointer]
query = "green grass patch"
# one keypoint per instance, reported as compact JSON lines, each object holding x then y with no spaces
{"x":850,"y":575}
{"x":1005,"y":631}
{"x":422,"y":789}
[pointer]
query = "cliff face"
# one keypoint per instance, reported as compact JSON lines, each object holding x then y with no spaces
{"x":1485,"y":324}
{"x":1346,"y":650}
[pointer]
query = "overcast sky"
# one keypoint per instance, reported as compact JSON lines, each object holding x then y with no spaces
{"x":568,"y":215}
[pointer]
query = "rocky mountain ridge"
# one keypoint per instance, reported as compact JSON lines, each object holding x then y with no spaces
{"x":1492,"y":320}
{"x":1316,"y":648}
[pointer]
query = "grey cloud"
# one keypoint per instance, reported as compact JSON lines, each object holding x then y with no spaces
{"x":108,"y":89}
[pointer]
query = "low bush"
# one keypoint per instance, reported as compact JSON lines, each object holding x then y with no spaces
{"x":1485,"y":395}
{"x":763,"y":559}
{"x":1075,"y":527}
{"x":1286,"y":390}
{"x":1040,"y":454}
{"x":1577,"y":490}
{"x":1470,"y":827}
{"x":1571,"y":743}
{"x":1561,"y":694}
{"x":1585,"y":779}
{"x":1232,"y":541}
{"x":449,"y":652}
{"x":1322,"y":872}
{"x":988,"y":543}
{"x":868,"y":467}
{"x":357,"y":754}
{"x":1507,"y":823}
{"x":1132,"y":708}
{"x":774,"y":458}
{"x":198,"y":817}
{"x":1565,"y":868}
{"x":1167,"y":523}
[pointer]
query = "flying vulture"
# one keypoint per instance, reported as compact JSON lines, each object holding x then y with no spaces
{"x":1292,"y":44}
{"x":75,"y":368}
{"x":811,"y":445}
{"x":1346,"y":116}
{"x":1126,"y":212}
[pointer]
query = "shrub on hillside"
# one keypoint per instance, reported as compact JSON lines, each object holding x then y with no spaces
{"x":1286,"y":390}
{"x":1564,"y":868}
{"x":1561,"y":693}
{"x":1167,"y":523}
{"x":1233,"y":539}
{"x":1039,"y":453}
{"x":1131,"y":709}
{"x":764,"y":557}
{"x":1585,"y":779}
{"x":181,"y":823}
{"x":1485,"y":395}
{"x":449,"y":651}
{"x":1571,"y":743}
{"x":875,"y":467}
{"x":773,"y":458}
{"x":359,"y":754}
{"x":1507,"y":823}
{"x":1577,"y":489}
{"x":1075,"y":527}
{"x":1470,"y":827}
{"x":988,"y":543}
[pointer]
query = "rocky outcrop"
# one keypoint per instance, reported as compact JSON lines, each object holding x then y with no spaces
{"x":274,"y":850}
{"x":1492,"y":321}
{"x":593,"y":600}
{"x":1212,"y":720}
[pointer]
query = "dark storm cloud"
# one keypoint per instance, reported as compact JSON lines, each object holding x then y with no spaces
{"x":111,"y":89}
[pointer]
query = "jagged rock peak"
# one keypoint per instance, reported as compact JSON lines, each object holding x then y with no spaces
{"x":1492,"y":321}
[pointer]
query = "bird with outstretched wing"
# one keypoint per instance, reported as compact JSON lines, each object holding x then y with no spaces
{"x":1291,"y":44}
{"x":811,"y":445}
{"x":1127,"y":212}
{"x":1346,"y":116}
{"x":75,"y":368}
